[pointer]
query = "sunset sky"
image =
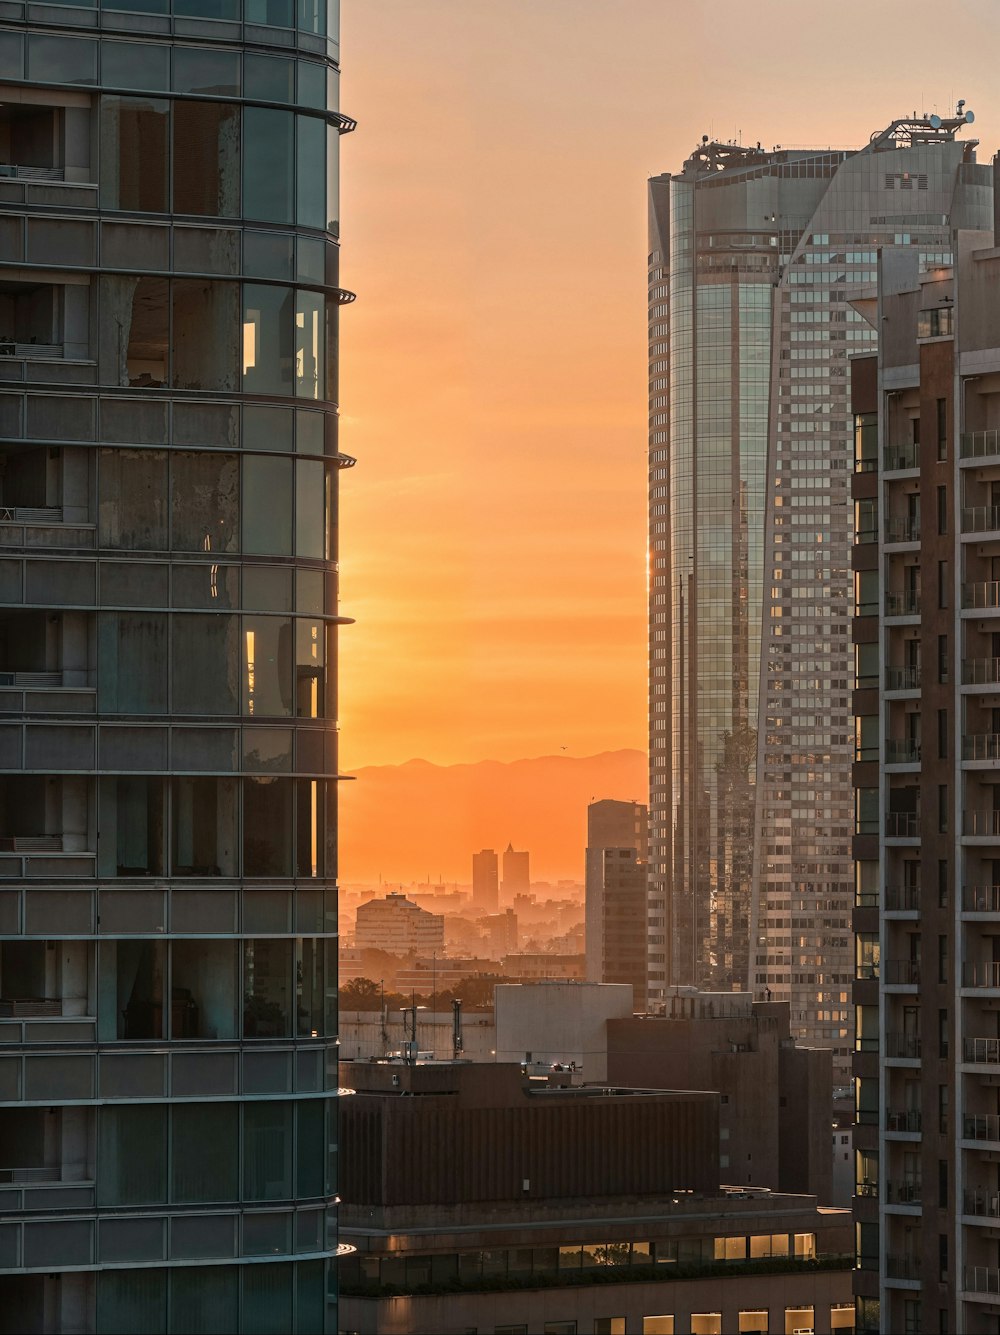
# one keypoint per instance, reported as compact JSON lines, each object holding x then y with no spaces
{"x":493,"y":367}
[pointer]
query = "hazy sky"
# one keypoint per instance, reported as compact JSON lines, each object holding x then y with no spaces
{"x":493,"y":368}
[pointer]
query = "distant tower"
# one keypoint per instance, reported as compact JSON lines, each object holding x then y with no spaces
{"x":617,"y":850}
{"x":485,"y":889}
{"x":516,"y":880}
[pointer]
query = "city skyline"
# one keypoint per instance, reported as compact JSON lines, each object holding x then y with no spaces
{"x":470,"y":646}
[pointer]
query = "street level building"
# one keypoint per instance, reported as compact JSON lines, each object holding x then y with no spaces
{"x":926,"y":495}
{"x":169,"y":467}
{"x":753,"y":256}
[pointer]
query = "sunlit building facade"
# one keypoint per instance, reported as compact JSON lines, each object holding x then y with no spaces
{"x":168,"y":620}
{"x":754,"y":256}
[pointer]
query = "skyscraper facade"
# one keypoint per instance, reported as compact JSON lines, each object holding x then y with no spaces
{"x":485,"y":881}
{"x":516,"y":873}
{"x":168,"y":610}
{"x":753,"y":257}
{"x":617,"y":852}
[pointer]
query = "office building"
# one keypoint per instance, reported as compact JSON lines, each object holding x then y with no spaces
{"x":459,"y":1228}
{"x":168,"y":438}
{"x":927,"y":836}
{"x":398,"y":926}
{"x":500,"y":933}
{"x":485,"y":881}
{"x":754,"y":254}
{"x":516,"y":877}
{"x":617,"y":848}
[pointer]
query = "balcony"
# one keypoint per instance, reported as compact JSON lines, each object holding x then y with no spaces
{"x":904,"y":1267}
{"x":906,"y":1122}
{"x":903,"y":529}
{"x":981,"y":671}
{"x":902,"y":751}
{"x":980,"y":518}
{"x":985,"y":974}
{"x":979,"y":444}
{"x":906,"y":602}
{"x":981,"y":1051}
{"x":981,"y":1279}
{"x":981,"y":1204}
{"x":902,"y":825}
{"x":899,"y":458}
{"x":982,"y":1126}
{"x":906,"y":1046}
{"x":981,"y":899}
{"x":902,"y":678}
{"x":980,"y":824}
{"x":981,"y":595}
{"x":902,"y":973}
{"x":902,"y":899}
{"x":908,"y":1192}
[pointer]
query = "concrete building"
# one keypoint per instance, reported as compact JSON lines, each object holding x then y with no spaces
{"x":485,"y":881}
{"x":927,"y":834}
{"x":754,"y":254}
{"x":516,"y":874}
{"x":559,"y":1022}
{"x":368,"y":1034}
{"x":500,"y":930}
{"x":528,"y":964}
{"x":479,"y":1199}
{"x":168,"y":638}
{"x":397,"y":925}
{"x":617,"y":849}
{"x":776,"y":1097}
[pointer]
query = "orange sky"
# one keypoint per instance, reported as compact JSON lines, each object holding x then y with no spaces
{"x":493,"y":368}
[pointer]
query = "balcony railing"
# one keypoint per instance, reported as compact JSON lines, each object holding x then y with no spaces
{"x":904,"y":529}
{"x":904,"y":1267}
{"x":980,"y":518}
{"x":979,"y":444}
{"x":902,"y":751}
{"x":902,"y":898}
{"x":866,"y":969}
{"x":9,"y":347}
{"x":981,"y":594}
{"x":982,"y":1051}
{"x":901,"y":973}
{"x":21,"y":172}
{"x":981,"y":746}
{"x":902,"y":678}
{"x":981,"y":824}
{"x":908,"y":1192}
{"x":981,"y":671}
{"x":909,"y":1119}
{"x":898,"y":457}
{"x":982,"y":1203}
{"x":902,"y":1045}
{"x":867,"y":1189}
{"x":981,"y":1126}
{"x":981,"y":1279}
{"x":982,"y":899}
{"x":986,"y":973}
{"x":902,"y":825}
{"x":903,"y":603}
{"x":867,"y":534}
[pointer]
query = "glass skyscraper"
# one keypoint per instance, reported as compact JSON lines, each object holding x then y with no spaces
{"x":169,"y":466}
{"x":754,"y":256}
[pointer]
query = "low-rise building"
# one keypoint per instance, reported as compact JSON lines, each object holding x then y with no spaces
{"x":559,"y":1022}
{"x":397,"y":925}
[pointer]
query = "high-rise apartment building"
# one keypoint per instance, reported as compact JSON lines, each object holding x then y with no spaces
{"x":399,"y":926}
{"x":516,"y":873}
{"x":485,"y":881}
{"x":754,"y":255}
{"x":927,"y":629}
{"x":168,"y":497}
{"x":617,"y":849}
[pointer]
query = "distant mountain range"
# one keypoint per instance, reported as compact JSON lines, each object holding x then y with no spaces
{"x":417,"y":821}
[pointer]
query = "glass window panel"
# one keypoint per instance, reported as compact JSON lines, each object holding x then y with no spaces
{"x":311,"y":260}
{"x":132,"y":676}
{"x":310,"y":1152}
{"x":333,"y":180}
{"x":206,"y":586}
{"x":207,"y":158}
{"x":134,"y":154}
{"x":310,"y":349}
{"x":269,"y":78}
{"x":134,"y":341}
{"x":206,"y":71}
{"x":267,"y":826}
{"x":135,"y":65}
{"x":205,"y":334}
{"x":206,"y":424}
{"x":133,"y":584}
{"x":309,"y":591}
{"x":131,"y":837}
{"x":267,"y":588}
{"x":267,"y":428}
{"x":273,"y":13}
{"x":131,"y":1154}
{"x":267,"y":996}
{"x":62,"y":59}
{"x":268,"y":255}
{"x":204,"y":1299}
{"x":311,"y":155}
{"x":310,"y":432}
{"x":132,"y":1302}
{"x":267,"y":1299}
{"x":312,"y":84}
{"x":214,"y":250}
{"x":267,"y":749}
{"x":11,"y":55}
{"x":204,"y":1149}
{"x":132,"y":509}
{"x":268,"y":164}
{"x":206,"y":662}
{"x":267,"y":678}
{"x":310,"y":955}
{"x":268,"y":345}
{"x":267,"y":506}
{"x":310,"y":685}
{"x":205,"y":511}
{"x":310,"y":516}
{"x":205,"y":822}
{"x":267,"y":1151}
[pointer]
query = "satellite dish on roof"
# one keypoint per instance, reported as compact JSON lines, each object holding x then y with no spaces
{"x":935,"y":121}
{"x":970,"y":116}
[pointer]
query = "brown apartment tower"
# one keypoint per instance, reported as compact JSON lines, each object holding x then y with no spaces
{"x":485,"y":881}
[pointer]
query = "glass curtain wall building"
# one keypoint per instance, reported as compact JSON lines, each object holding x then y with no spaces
{"x":169,"y":463}
{"x":754,"y":256}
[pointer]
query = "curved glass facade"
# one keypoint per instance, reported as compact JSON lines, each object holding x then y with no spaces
{"x":169,"y":463}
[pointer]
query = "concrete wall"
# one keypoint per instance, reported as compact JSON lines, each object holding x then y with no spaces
{"x":361,"y":1034}
{"x":559,"y":1022}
